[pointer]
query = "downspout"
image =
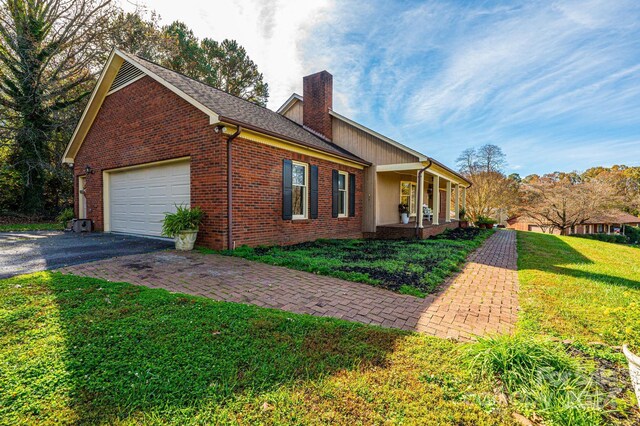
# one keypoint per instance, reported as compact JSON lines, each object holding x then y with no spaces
{"x":230,"y":190}
{"x":420,"y":194}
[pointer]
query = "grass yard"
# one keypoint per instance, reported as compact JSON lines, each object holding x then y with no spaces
{"x":86,"y":351}
{"x":42,"y":226}
{"x":579,"y":289}
{"x":413,"y":267}
{"x":587,"y":294}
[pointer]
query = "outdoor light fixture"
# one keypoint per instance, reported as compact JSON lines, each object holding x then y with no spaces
{"x":88,"y":170}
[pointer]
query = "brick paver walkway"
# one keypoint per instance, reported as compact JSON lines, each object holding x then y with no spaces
{"x":481,"y":299}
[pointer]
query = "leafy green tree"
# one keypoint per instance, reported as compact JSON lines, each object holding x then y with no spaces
{"x":140,"y":33}
{"x":50,"y":54}
{"x":187,"y":56}
{"x":224,"y":65}
{"x":47,"y":58}
{"x":227,"y":66}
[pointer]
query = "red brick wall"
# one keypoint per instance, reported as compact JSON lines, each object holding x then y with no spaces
{"x":145,"y":122}
{"x":257,"y":182}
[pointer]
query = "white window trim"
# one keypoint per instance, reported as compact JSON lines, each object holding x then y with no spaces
{"x":305,"y":212}
{"x":346,"y":194}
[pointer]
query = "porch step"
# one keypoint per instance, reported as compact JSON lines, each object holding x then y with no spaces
{"x":408,"y":231}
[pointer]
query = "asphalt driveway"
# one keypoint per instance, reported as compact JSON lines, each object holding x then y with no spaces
{"x":26,"y":252}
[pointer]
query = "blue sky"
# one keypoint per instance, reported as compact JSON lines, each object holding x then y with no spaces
{"x":556,"y":84}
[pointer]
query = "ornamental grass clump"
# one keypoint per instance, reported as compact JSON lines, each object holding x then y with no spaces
{"x":539,"y":377}
{"x":184,"y":219}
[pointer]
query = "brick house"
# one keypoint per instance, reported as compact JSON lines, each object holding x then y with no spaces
{"x":151,"y":138}
{"x":608,"y":222}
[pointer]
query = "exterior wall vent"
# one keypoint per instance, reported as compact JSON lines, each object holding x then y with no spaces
{"x":126,"y":75}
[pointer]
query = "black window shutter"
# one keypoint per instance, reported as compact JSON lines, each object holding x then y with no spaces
{"x":352,"y":195}
{"x":334,"y":193}
{"x":286,"y":190}
{"x":313,"y":192}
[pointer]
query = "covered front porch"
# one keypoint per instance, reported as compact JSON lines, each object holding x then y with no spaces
{"x":435,"y":195}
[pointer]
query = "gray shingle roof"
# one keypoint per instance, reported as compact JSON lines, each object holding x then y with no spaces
{"x":237,"y":109}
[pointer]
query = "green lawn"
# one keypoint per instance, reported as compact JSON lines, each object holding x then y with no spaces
{"x":86,"y":351}
{"x":587,"y":294}
{"x":579,"y":289}
{"x":414,"y":267}
{"x":43,"y":226}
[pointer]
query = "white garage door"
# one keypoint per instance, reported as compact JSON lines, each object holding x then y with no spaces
{"x":139,"y":198}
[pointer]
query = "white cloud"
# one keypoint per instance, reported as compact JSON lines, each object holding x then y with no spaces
{"x":555,"y":83}
{"x":273,"y":32}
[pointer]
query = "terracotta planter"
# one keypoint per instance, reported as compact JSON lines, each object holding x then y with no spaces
{"x":186,"y":239}
{"x":464,"y":224}
{"x":634,"y":370}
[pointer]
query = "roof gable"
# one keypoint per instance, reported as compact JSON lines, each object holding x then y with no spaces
{"x":221,"y":107}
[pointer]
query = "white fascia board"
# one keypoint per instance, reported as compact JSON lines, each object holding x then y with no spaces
{"x":289,"y":103}
{"x":65,"y":157}
{"x":404,"y":167}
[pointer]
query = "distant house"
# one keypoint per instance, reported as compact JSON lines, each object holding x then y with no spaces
{"x":151,"y":138}
{"x":608,"y":222}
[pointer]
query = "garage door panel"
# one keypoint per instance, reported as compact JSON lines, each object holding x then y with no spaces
{"x":139,"y":198}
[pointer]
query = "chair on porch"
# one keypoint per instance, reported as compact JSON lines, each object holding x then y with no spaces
{"x":427,"y":213}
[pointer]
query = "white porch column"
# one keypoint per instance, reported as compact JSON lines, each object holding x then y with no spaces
{"x":457,"y":203}
{"x":447,"y":211}
{"x":436,"y":200}
{"x":464,"y":198}
{"x":420,"y":189}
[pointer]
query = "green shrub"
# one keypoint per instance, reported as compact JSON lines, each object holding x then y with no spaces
{"x":65,"y":216}
{"x":607,"y":238}
{"x":483,"y":220}
{"x":633,"y":234}
{"x":539,"y":377}
{"x":184,"y":219}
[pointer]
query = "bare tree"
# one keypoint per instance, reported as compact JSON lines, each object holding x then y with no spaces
{"x":467,"y":161}
{"x":490,"y":158}
{"x":491,"y":191}
{"x":48,"y":59}
{"x":556,"y":201}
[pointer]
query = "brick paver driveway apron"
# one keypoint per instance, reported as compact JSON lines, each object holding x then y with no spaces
{"x":481,"y":299}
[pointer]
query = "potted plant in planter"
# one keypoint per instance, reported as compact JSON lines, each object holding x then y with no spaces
{"x":462,"y":216}
{"x":404,"y":213}
{"x":485,"y":222}
{"x":183,"y":226}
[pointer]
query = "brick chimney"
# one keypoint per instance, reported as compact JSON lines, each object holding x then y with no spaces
{"x":317,"y":93}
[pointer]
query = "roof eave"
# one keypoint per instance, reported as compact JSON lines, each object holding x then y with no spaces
{"x":289,"y":103}
{"x":102,"y":85}
{"x":292,"y":140}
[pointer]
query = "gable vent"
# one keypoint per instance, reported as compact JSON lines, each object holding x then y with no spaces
{"x":126,"y":75}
